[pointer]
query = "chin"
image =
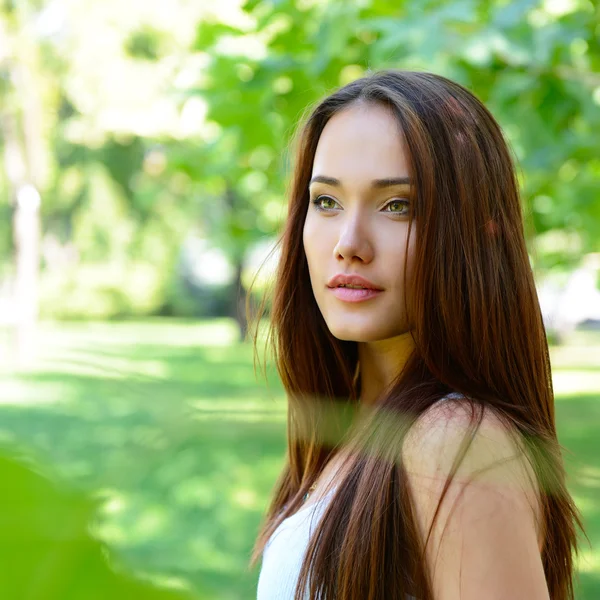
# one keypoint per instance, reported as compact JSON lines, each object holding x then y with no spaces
{"x":357,"y":334}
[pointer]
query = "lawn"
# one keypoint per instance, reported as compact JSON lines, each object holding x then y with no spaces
{"x":166,"y":423}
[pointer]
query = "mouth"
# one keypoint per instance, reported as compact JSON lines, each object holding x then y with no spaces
{"x":353,"y":293}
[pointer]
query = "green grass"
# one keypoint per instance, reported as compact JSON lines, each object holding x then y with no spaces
{"x":576,"y":376}
{"x":166,"y":422}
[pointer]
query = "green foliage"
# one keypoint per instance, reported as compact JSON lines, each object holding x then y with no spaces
{"x":200,"y":302}
{"x":144,"y":44}
{"x":125,"y":188}
{"x":46,"y":547}
{"x":535,"y":66}
{"x":103,"y":290}
{"x":123,"y":159}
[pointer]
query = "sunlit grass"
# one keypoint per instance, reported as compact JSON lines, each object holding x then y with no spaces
{"x":575,"y":382}
{"x":17,"y":392}
{"x":589,"y":562}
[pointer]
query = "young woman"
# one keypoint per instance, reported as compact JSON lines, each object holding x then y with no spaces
{"x":422,"y":452}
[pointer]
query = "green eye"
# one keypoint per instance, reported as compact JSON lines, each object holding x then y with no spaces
{"x":320,"y":201}
{"x":401,"y":207}
{"x":397,"y":207}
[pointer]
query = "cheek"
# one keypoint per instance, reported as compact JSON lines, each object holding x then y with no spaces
{"x":314,"y":242}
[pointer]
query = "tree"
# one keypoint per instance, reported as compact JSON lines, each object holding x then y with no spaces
{"x":535,"y":65}
{"x":24,"y":156}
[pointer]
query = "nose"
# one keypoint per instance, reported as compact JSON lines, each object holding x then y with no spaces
{"x":353,"y":242}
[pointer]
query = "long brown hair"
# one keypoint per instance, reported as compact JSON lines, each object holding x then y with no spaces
{"x":477,"y":328}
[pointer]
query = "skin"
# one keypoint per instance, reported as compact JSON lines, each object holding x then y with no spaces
{"x":364,"y":231}
{"x":487,"y":540}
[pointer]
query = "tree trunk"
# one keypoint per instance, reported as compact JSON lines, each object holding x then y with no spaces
{"x":24,"y":163}
{"x":239,"y":302}
{"x":26,"y":234}
{"x":238,"y":294}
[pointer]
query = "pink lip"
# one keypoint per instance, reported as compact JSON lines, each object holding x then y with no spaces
{"x":343,"y":279}
{"x":354,"y":295}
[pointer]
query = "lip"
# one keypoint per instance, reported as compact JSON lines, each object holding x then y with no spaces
{"x":354,"y":295}
{"x":341,"y":279}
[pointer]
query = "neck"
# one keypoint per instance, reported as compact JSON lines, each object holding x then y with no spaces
{"x":381,"y":362}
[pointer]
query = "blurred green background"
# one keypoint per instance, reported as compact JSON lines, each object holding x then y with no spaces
{"x":145,"y":158}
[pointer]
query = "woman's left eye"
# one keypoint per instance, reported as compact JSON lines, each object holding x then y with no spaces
{"x":400,"y":207}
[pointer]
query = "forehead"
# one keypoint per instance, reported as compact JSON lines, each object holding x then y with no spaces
{"x":361,"y":143}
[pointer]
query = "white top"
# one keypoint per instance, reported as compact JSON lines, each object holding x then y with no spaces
{"x":284,"y":552}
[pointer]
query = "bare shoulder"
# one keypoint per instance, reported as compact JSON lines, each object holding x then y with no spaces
{"x":490,"y":449}
{"x":487,"y":534}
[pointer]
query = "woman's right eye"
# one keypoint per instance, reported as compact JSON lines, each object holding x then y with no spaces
{"x":320,"y":200}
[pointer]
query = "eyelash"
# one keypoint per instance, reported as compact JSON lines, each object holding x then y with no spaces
{"x":317,"y":200}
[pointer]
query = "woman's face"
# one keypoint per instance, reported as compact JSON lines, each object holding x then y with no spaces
{"x":360,"y":227}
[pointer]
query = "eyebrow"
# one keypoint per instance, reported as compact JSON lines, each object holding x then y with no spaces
{"x":376,"y":183}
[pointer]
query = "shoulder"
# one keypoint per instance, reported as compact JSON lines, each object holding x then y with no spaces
{"x":485,"y":444}
{"x":486,"y":531}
